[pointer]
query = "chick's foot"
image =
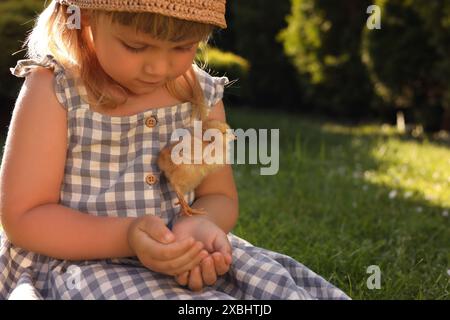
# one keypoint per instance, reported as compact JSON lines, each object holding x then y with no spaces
{"x":186,"y":209}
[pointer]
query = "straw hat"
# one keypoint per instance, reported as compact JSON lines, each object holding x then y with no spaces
{"x":206,"y":11}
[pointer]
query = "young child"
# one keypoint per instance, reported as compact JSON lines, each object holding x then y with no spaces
{"x":86,"y":212}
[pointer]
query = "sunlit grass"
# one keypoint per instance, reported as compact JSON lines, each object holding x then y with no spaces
{"x":420,"y":171}
{"x":411,"y":169}
{"x":347,"y":197}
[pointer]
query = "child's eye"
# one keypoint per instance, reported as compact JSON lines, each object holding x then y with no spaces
{"x":132,"y":49}
{"x":184,"y":48}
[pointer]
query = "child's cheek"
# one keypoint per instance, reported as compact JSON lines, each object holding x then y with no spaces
{"x":121,"y":66}
{"x":128,"y":64}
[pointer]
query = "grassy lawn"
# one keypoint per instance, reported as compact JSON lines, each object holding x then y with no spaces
{"x":348,"y":197}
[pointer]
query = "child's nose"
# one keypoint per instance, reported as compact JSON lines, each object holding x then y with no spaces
{"x":156,"y":69}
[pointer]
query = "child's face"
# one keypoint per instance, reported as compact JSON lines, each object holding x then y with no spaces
{"x":147,"y":68}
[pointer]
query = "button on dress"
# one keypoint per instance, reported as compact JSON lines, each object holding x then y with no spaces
{"x":111,"y":170}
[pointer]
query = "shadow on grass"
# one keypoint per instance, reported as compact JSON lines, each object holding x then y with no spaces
{"x":322,"y":210}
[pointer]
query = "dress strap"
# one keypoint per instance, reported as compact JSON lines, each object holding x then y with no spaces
{"x":62,"y":83}
{"x":213,"y":87}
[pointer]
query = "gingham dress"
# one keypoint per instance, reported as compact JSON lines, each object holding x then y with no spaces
{"x":108,"y":163}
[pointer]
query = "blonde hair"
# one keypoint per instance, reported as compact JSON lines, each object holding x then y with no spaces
{"x":72,"y":48}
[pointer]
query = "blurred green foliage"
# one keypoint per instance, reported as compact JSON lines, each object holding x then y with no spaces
{"x":347,"y":69}
{"x":16,"y":19}
{"x":252,"y":29}
{"x":323,"y":40}
{"x":220,"y":63}
{"x":409,"y":61}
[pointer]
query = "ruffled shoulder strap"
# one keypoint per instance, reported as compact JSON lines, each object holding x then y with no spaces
{"x":62,"y":83}
{"x":213,"y":87}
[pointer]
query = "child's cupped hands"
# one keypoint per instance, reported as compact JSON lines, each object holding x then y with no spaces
{"x":158,"y":249}
{"x":216,"y":243}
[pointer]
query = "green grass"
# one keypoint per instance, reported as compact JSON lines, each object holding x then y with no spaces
{"x":347,"y":197}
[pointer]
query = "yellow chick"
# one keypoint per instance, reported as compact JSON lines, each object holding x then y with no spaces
{"x":185,"y":177}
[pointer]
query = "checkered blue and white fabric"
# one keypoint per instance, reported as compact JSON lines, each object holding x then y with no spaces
{"x":108,"y":159}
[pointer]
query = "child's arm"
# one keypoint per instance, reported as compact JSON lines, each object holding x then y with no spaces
{"x":30,"y":180}
{"x":217,"y":193}
{"x":221,"y":208}
{"x":64,"y":233}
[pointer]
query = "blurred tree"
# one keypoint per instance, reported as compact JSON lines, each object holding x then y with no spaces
{"x":225,"y":38}
{"x":252,"y":31}
{"x":409,"y":62}
{"x":16,"y":19}
{"x":324,"y":39}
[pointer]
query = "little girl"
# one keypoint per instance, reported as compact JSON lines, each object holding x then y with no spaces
{"x":86,"y":212}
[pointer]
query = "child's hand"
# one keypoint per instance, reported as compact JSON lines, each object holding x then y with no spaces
{"x":215,"y":241}
{"x":206,"y":273}
{"x":155,"y":246}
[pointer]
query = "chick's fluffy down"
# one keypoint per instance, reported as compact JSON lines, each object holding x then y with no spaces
{"x":186,"y":176}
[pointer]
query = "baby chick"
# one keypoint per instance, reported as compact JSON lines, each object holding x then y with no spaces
{"x":185,"y":177}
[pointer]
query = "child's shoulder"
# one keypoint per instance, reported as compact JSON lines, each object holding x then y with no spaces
{"x":40,"y":76}
{"x":213,"y":86}
{"x":46,"y":74}
{"x":38,"y":81}
{"x":38,"y":93}
{"x":25,"y":66}
{"x":206,"y":76}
